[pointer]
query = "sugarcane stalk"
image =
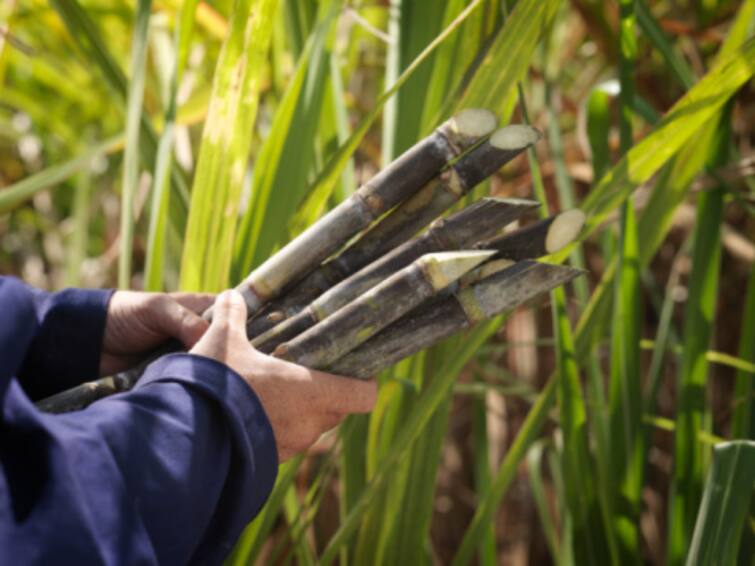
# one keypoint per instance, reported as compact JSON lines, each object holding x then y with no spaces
{"x":394,"y":184}
{"x":83,"y":395}
{"x":449,"y":140}
{"x":430,"y":324}
{"x":355,"y":323}
{"x":399,"y":180}
{"x":538,"y":239}
{"x":461,"y":230}
{"x":419,"y":329}
{"x":413,"y":214}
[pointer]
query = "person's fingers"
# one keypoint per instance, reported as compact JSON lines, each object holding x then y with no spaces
{"x":196,"y":302}
{"x":230,"y":311}
{"x":345,"y":395}
{"x":179,"y":322}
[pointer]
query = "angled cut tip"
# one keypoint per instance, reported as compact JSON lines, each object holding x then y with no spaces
{"x":475,"y":122}
{"x":443,"y":268}
{"x":517,"y":136}
{"x":566,"y":226}
{"x":517,"y":202}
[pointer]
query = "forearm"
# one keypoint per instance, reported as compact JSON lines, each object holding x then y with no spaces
{"x":67,"y":328}
{"x":170,"y":472}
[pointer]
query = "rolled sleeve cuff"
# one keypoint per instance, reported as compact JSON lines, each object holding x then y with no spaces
{"x":251,"y":430}
{"x":66,"y":350}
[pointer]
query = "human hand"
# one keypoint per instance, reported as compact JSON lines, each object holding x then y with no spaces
{"x":138,"y":322}
{"x":300,"y":403}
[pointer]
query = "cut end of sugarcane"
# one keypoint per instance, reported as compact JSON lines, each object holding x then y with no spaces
{"x":443,"y":268}
{"x":474,"y":123}
{"x":518,"y":136}
{"x":485,"y":270}
{"x":564,"y":229}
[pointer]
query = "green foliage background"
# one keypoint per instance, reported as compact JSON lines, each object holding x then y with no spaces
{"x":164,"y":144}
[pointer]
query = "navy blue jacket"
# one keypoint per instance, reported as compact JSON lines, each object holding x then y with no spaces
{"x":168,"y":473}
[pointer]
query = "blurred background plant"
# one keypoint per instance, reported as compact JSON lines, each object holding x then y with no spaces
{"x":166,"y":144}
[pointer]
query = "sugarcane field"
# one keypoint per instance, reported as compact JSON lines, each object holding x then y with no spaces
{"x":398,"y":282}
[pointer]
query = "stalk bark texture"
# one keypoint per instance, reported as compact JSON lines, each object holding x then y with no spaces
{"x":437,"y":196}
{"x":462,"y":230}
{"x":399,"y":180}
{"x":430,"y":324}
{"x":538,"y":239}
{"x":356,"y":322}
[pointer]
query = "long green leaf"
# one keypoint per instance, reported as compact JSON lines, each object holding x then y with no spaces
{"x":537,"y":485}
{"x":743,"y":421}
{"x":580,"y":522}
{"x":327,"y":180}
{"x":224,"y":152}
{"x":90,"y":41}
{"x":415,"y":508}
{"x":683,"y":121}
{"x":131,"y":151}
{"x":285,"y":160}
{"x":673,"y":183}
{"x":492,"y":85}
{"x":625,"y":393}
{"x":412,"y":427}
{"x":650,"y":27}
{"x":155,"y":262}
{"x":690,"y":458}
{"x":53,"y":176}
{"x":250,"y":543}
{"x":527,"y":435}
{"x":724,"y":507}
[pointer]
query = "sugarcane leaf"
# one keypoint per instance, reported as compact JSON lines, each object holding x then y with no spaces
{"x":412,"y":427}
{"x":223,"y":155}
{"x":493,"y":84}
{"x":378,"y":533}
{"x":327,"y":179}
{"x":90,"y":41}
{"x":287,"y":156}
{"x":250,"y":542}
{"x":690,"y":459}
{"x":130,"y":153}
{"x":482,"y":467}
{"x":53,"y":176}
{"x":743,"y":425}
{"x":627,"y":461}
{"x":537,"y":485}
{"x":411,"y":25}
{"x":577,"y":467}
{"x":156,"y":262}
{"x":672,"y":185}
{"x":450,"y":62}
{"x":414,"y":506}
{"x":653,"y":31}
{"x":722,"y":515}
{"x":678,"y":125}
{"x":636,"y":166}
{"x":528,"y":433}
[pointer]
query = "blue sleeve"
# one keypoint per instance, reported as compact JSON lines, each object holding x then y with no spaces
{"x":62,"y":335}
{"x":168,"y":473}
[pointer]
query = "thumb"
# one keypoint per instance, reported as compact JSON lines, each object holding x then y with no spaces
{"x":229,"y":312}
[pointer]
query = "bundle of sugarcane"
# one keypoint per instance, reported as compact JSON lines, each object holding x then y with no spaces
{"x":356,"y":292}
